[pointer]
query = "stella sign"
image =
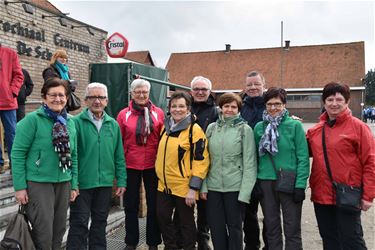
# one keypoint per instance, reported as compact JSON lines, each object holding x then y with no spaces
{"x":116,"y":45}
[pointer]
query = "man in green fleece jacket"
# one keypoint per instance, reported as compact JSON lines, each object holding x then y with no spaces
{"x":100,"y":161}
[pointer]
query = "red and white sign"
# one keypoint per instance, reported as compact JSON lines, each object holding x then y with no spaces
{"x":116,"y":45}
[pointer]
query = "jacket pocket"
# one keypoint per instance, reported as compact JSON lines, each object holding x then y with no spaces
{"x":181,"y":153}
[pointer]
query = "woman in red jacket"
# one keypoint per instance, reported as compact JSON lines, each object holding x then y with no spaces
{"x":350,"y":153}
{"x":140,"y":125}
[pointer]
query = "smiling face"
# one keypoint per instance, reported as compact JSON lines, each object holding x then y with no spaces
{"x":334,"y":105}
{"x":254,"y":86}
{"x":55,"y":98}
{"x":200,"y":91}
{"x":96,"y":101}
{"x":230,"y":109}
{"x":178,"y":109}
{"x":140,"y":95}
{"x":274,"y":106}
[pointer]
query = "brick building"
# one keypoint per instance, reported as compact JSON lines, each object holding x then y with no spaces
{"x":36,"y":28}
{"x":302,"y":70}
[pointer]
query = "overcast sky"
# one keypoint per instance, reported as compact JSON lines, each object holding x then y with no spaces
{"x":164,"y":27}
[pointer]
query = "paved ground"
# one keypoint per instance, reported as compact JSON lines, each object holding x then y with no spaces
{"x":310,"y":234}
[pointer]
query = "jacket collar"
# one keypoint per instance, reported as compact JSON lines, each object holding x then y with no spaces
{"x":341,"y":118}
{"x":210,"y":102}
{"x":85,"y":115}
{"x":231,"y":121}
{"x":182,"y":125}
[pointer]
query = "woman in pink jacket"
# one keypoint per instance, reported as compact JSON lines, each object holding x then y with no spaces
{"x":140,"y":125}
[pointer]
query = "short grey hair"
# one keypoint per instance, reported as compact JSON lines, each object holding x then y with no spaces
{"x":256,"y":73}
{"x":201,"y":79}
{"x":94,"y":85}
{"x":139,"y":83}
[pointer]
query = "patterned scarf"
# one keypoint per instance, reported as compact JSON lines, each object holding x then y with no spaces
{"x":60,"y":137}
{"x":268,"y":141}
{"x":144,"y":122}
{"x":63,"y":70}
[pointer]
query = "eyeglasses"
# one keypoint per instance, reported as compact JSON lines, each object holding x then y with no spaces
{"x":274,"y":104}
{"x":200,"y":89}
{"x":93,"y":98}
{"x":54,"y":96}
{"x":138,"y":93}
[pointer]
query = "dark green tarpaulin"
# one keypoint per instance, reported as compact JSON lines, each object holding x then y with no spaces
{"x":118,"y":76}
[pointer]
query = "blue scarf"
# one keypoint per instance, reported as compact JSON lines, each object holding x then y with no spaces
{"x":63,"y":70}
{"x":268,"y":141}
{"x":60,"y":137}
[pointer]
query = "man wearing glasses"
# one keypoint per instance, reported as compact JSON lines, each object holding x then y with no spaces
{"x":205,"y":111}
{"x":100,"y":161}
{"x":252,"y":112}
{"x":11,"y":80}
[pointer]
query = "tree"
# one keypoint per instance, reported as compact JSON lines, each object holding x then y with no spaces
{"x":369,"y":83}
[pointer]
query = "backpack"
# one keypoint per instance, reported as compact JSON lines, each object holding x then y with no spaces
{"x":17,"y":235}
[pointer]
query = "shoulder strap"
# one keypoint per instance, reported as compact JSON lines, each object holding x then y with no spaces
{"x":273,"y":162}
{"x":326,"y":155}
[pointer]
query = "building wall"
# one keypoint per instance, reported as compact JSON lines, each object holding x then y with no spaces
{"x":35,"y":41}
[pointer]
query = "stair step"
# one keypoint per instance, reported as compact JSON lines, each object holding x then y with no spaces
{"x":6,"y":180}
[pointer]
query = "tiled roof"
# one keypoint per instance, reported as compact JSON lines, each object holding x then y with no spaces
{"x":46,"y":5}
{"x":143,"y":57}
{"x":302,"y":66}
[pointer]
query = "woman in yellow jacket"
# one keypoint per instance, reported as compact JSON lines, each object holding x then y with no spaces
{"x":181,"y":165}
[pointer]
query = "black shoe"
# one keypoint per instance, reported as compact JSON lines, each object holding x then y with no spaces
{"x":152,"y":247}
{"x":129,"y":247}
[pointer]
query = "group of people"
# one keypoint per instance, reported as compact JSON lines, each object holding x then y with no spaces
{"x":224,"y":160}
{"x":368,"y":114}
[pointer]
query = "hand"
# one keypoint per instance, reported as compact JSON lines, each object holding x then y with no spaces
{"x":73,"y":85}
{"x":203,"y":196}
{"x":296,"y":118}
{"x":190,"y":198}
{"x":299,"y":195}
{"x":22,"y":197}
{"x":73,"y":195}
{"x":365,"y":205}
{"x":120,"y":191}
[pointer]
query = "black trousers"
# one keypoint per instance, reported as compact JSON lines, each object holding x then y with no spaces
{"x":131,"y":198}
{"x":340,"y":230}
{"x":95,"y":202}
{"x":225,"y":215}
{"x":251,"y":227}
{"x":166,"y":205}
{"x":272,"y":203}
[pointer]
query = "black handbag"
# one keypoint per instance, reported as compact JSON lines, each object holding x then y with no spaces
{"x":348,"y":198}
{"x":17,"y":235}
{"x":73,"y":102}
{"x":286,"y":179}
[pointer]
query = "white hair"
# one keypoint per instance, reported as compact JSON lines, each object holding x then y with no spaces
{"x":201,"y":79}
{"x":139,"y":83}
{"x":96,"y":85}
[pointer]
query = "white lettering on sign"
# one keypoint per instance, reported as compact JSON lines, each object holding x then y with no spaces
{"x":116,"y":45}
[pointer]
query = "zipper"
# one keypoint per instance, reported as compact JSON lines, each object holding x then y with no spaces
{"x":164,"y":177}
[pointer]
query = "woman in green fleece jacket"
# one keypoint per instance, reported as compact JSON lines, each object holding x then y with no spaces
{"x":44,"y":165}
{"x":232,"y":174}
{"x":282,"y":145}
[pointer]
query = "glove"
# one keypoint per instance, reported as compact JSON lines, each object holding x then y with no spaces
{"x":299,"y":195}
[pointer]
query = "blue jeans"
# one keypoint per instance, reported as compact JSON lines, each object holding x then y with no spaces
{"x":9,"y":120}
